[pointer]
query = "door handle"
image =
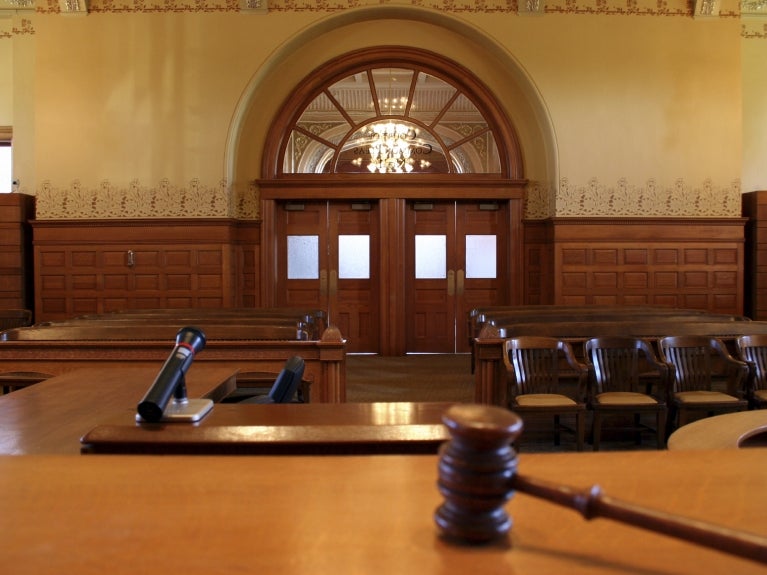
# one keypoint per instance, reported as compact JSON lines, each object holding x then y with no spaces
{"x":451,"y":283}
{"x":324,"y":283}
{"x":333,"y":282}
{"x":131,"y":258}
{"x":459,"y":286}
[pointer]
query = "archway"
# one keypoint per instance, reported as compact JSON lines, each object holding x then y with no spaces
{"x":397,"y":200}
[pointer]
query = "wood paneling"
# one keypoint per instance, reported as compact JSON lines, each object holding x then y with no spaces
{"x":755,"y":209}
{"x":688,"y":263}
{"x":95,"y":267}
{"x":15,"y":251}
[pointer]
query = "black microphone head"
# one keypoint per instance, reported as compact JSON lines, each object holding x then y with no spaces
{"x":192,"y":337}
{"x":150,"y":411}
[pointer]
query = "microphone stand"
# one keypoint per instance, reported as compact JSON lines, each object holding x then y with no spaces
{"x":181,"y":408}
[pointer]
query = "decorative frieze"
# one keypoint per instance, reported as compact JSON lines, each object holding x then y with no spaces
{"x":165,"y":200}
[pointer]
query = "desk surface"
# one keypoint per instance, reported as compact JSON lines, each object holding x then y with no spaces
{"x":729,"y":430}
{"x":203,"y":515}
{"x":51,"y":416}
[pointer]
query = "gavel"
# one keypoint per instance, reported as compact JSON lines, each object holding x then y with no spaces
{"x":477,"y":475}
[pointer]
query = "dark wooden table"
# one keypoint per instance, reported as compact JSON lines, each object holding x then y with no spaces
{"x":313,"y":428}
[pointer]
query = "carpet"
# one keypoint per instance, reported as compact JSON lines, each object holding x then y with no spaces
{"x":415,"y":377}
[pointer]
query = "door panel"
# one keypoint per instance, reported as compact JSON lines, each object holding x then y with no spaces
{"x":430,"y":277}
{"x":327,"y":257}
{"x":354,"y":277}
{"x":468,"y":271}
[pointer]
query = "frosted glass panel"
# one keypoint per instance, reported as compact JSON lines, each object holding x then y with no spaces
{"x":303,"y":257}
{"x":353,"y":257}
{"x":430,"y":257}
{"x":480,"y":257}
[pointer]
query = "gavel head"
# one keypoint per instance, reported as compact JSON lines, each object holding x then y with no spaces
{"x":475,"y":471}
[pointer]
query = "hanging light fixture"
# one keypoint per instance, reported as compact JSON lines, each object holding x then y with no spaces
{"x":390,"y":149}
{"x":20,"y":3}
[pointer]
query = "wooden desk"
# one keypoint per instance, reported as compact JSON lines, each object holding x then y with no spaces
{"x":727,"y":431}
{"x":315,"y":428}
{"x":233,"y":515}
{"x":51,"y":416}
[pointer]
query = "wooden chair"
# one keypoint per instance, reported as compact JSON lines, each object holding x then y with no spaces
{"x":535,"y":363}
{"x":753,"y":350}
{"x":617,"y":365}
{"x":286,"y":385}
{"x":699,"y":364}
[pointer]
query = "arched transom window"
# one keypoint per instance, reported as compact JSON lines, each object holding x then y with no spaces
{"x":391,"y":120}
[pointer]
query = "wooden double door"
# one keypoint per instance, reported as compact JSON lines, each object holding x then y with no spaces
{"x":414,"y":270}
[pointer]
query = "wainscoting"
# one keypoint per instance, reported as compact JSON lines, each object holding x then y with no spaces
{"x":677,"y":262}
{"x":85,"y":267}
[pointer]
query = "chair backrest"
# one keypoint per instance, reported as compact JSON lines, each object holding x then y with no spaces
{"x":695,"y":360}
{"x":285,"y":384}
{"x":753,"y":350}
{"x":288,"y":380}
{"x":616,"y":362}
{"x":535,"y":362}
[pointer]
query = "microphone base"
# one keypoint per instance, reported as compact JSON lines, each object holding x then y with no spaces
{"x":189,"y":410}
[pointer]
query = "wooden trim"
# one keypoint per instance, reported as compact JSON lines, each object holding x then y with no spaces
{"x":432,"y":63}
{"x":407,"y":186}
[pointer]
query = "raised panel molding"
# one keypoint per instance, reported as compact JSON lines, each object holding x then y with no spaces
{"x":755,"y":208}
{"x":15,"y":251}
{"x":100,"y":266}
{"x":680,"y":262}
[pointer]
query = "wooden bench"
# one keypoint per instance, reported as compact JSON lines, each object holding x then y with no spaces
{"x":311,"y":322}
{"x":10,"y":318}
{"x":54,"y":350}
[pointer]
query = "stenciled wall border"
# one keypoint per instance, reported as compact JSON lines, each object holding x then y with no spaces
{"x":163,"y":200}
{"x":626,"y":199}
{"x":195,"y":199}
{"x":726,"y":8}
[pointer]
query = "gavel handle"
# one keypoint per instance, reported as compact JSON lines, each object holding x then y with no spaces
{"x":593,"y":503}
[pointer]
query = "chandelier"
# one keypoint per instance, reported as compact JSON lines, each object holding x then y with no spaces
{"x":20,"y":3}
{"x":391,"y":149}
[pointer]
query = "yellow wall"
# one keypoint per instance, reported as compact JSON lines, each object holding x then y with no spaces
{"x":140,"y":111}
{"x":754,"y":55}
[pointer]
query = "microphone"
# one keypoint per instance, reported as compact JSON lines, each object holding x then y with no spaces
{"x":189,"y":341}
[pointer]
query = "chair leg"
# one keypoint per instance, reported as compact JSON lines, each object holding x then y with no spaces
{"x":670,"y":420}
{"x":596,"y":433}
{"x":579,"y":430}
{"x":638,"y":427}
{"x":557,"y":430}
{"x":660,"y":429}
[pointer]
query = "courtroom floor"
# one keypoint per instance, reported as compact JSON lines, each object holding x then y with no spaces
{"x":448,"y":377}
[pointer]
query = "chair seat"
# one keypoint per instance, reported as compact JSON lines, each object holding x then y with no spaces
{"x":544,"y":400}
{"x":624,"y":398}
{"x":704,"y":397}
{"x":761,"y":394}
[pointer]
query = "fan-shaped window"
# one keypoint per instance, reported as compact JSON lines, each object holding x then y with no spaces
{"x":391,"y":120}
